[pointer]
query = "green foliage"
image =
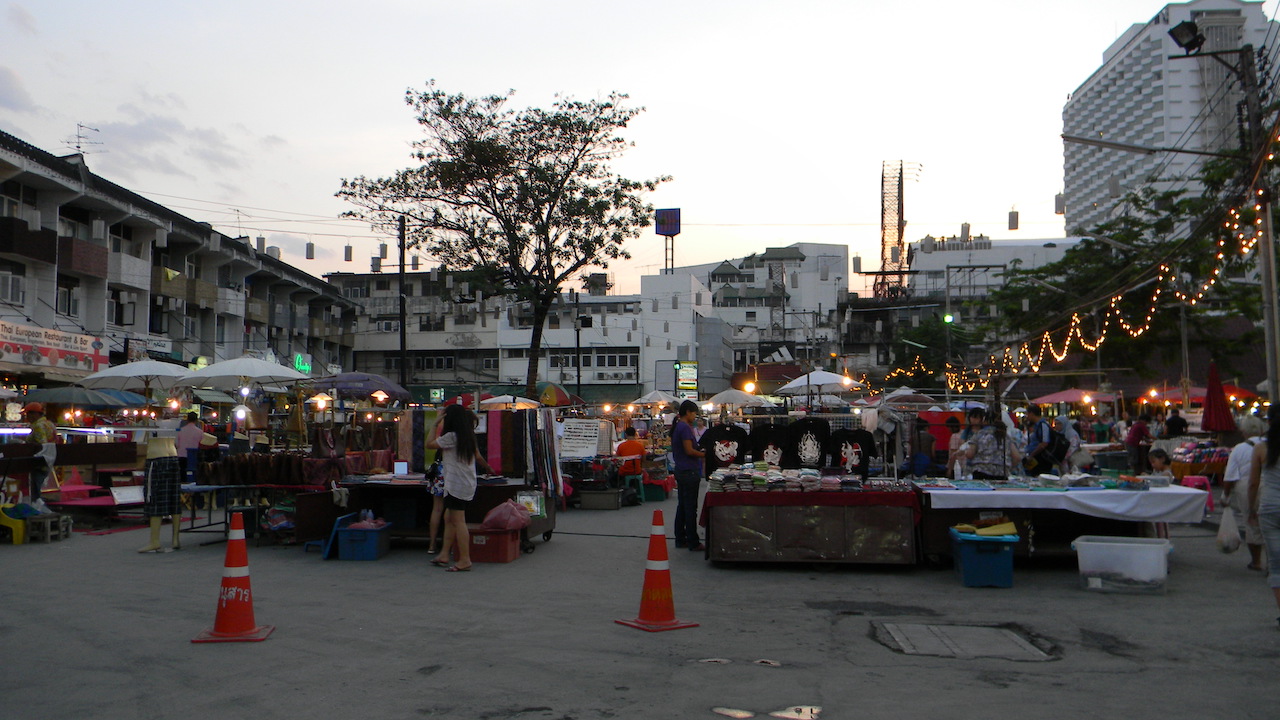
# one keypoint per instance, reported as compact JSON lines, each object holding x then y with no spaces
{"x":1168,"y":229}
{"x":525,"y":198}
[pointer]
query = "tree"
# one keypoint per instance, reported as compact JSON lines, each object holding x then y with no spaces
{"x":1169,"y":228}
{"x":525,"y":199}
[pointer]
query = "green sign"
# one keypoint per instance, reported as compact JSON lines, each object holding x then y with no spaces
{"x":300,"y":363}
{"x":686,"y":380}
{"x":437,"y":395}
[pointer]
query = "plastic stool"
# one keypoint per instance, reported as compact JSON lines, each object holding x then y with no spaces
{"x":1200,"y":482}
{"x":636,"y":481}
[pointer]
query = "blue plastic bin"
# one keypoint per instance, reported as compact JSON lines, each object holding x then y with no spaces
{"x":983,"y":561}
{"x":364,"y":544}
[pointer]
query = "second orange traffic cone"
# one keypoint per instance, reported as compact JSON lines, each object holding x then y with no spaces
{"x":234,"y":621}
{"x":657,"y":606}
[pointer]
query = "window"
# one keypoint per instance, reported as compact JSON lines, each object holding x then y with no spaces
{"x":381,"y":284}
{"x":751,"y":316}
{"x":11,"y":288}
{"x":193,"y":266}
{"x":430,"y":323}
{"x":490,"y":363}
{"x":220,"y":336}
{"x":386,"y":325}
{"x":68,"y":302}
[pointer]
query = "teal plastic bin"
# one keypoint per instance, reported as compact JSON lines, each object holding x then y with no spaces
{"x":983,"y":561}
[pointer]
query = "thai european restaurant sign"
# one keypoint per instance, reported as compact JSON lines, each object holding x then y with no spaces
{"x":37,"y":346}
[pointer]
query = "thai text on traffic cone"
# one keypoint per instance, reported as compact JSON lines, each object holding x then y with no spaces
{"x":657,"y":606}
{"x":234,"y":621}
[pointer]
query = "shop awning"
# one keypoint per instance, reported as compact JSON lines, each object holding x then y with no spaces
{"x":57,"y":375}
{"x":214,"y":397}
{"x":600,"y":394}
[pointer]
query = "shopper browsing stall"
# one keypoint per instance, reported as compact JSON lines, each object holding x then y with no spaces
{"x":455,"y":435}
{"x":1264,"y":497}
{"x":991,"y":454}
{"x":1235,"y":481}
{"x":1039,"y":435}
{"x":688,"y":465}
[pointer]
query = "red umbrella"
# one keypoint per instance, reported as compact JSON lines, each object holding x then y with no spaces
{"x":1217,"y":413}
{"x":467,"y":400}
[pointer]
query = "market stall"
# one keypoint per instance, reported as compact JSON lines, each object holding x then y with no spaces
{"x":1048,"y":520}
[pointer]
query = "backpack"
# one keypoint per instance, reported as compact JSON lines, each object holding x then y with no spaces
{"x":1058,"y":446}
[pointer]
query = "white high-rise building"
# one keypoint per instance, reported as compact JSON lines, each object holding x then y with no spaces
{"x":1141,"y":96}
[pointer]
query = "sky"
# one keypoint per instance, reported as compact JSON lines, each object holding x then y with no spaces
{"x":772,"y":118}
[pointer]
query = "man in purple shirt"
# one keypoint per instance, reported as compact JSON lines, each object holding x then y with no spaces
{"x":688,"y":463}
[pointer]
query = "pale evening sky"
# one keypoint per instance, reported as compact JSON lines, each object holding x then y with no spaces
{"x":772,"y":117}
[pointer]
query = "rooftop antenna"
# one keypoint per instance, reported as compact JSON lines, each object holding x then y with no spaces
{"x":80,"y":140}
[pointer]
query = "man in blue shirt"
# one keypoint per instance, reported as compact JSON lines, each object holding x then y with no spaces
{"x":1037,"y":444}
{"x":688,"y":463}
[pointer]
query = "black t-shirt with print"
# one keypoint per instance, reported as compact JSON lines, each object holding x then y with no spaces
{"x":852,"y":450}
{"x":768,"y":443}
{"x":724,"y":445}
{"x":806,"y":443}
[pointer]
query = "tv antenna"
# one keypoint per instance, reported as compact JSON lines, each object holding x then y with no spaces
{"x":80,"y":140}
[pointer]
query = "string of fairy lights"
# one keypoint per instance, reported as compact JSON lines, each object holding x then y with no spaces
{"x":1243,"y":227}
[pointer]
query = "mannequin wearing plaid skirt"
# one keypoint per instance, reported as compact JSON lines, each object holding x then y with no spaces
{"x":164,"y":490}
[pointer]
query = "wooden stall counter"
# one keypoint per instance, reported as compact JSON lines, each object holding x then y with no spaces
{"x":827,"y":527}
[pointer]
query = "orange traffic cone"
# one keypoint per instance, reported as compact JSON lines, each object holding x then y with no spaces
{"x":234,"y":621}
{"x":657,"y":608}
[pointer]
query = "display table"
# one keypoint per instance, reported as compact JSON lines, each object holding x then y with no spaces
{"x":406,"y":504}
{"x":1212,"y":470}
{"x":837,"y":527}
{"x":1049,"y":520}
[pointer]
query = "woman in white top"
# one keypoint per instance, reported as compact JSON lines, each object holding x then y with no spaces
{"x":455,"y":436}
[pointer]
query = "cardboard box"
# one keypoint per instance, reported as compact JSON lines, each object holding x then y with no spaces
{"x":493,"y":546}
{"x":601,"y":499}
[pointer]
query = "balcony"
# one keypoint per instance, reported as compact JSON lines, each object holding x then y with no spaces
{"x":203,"y":295}
{"x":124,"y":269}
{"x":230,"y":302}
{"x":16,"y":238}
{"x":256,"y":310}
{"x":162,"y":284}
{"x":82,"y":257}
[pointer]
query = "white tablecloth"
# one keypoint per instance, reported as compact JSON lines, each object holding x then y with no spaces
{"x":1175,"y":504}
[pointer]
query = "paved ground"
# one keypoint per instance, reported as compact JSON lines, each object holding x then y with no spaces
{"x":93,"y":630}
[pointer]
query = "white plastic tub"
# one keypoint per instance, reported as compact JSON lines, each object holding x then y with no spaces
{"x":1123,"y":564}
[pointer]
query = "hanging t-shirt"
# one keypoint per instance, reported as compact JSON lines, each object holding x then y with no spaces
{"x":724,"y":445}
{"x":852,"y":450}
{"x":768,"y":443}
{"x":806,"y":443}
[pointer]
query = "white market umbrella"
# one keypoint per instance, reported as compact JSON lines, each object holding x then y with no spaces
{"x":509,"y":402}
{"x":733,"y":396}
{"x":831,"y":401}
{"x":819,"y":381}
{"x":657,"y":397}
{"x":143,"y":374}
{"x":231,"y":374}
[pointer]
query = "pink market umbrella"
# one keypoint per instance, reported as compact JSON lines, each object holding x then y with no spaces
{"x":1217,"y":413}
{"x":1072,"y":396}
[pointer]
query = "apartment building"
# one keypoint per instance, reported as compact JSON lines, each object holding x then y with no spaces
{"x":1145,"y":94}
{"x":92,"y":273}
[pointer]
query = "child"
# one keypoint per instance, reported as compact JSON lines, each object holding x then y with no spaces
{"x":1159,"y":460}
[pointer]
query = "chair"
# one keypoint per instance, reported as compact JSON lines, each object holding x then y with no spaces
{"x":1200,"y":482}
{"x":637,"y":482}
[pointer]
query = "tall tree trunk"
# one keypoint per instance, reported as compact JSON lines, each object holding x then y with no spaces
{"x":541,"y":306}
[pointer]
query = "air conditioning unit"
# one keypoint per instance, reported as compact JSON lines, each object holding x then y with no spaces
{"x":617,"y":376}
{"x":566,"y":376}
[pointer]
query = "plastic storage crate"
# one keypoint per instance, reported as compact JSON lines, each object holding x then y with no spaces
{"x":494,"y":546}
{"x":600,"y":499}
{"x":363,"y":544}
{"x":1123,"y":564}
{"x":983,"y":561}
{"x":653,"y":493}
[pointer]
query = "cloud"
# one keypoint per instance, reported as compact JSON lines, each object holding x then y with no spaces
{"x":163,"y":143}
{"x":13,"y":95}
{"x":273,"y":141}
{"x":22,"y":20}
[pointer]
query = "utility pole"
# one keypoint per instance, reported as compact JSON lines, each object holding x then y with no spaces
{"x":1266,"y":251}
{"x":577,"y":340}
{"x":404,"y":338}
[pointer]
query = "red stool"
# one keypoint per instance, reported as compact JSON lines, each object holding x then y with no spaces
{"x":1200,"y":482}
